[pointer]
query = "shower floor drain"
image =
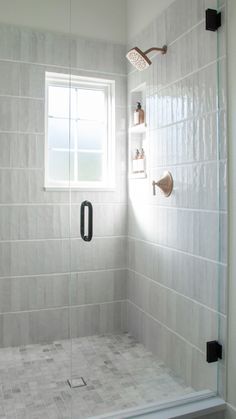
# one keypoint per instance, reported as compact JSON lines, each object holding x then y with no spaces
{"x":76,"y":382}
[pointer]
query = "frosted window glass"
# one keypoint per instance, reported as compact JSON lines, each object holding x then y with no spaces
{"x":59,"y":163}
{"x":61,"y":102}
{"x":91,"y":135}
{"x":90,"y":167}
{"x":91,"y":104}
{"x":80,"y":118}
{"x":61,"y":133}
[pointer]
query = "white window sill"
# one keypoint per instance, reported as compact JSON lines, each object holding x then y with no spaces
{"x":53,"y":188}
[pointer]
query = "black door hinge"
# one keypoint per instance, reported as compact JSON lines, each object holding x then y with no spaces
{"x":213,"y":20}
{"x":213,"y":351}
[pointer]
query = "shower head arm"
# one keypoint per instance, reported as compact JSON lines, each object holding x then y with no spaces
{"x":163,"y":50}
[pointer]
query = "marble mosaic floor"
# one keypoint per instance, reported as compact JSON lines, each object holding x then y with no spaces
{"x":120,"y":373}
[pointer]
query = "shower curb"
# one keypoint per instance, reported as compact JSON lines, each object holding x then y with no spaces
{"x":184,"y":408}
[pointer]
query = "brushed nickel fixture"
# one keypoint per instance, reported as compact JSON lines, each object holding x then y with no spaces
{"x":140,"y":60}
{"x":166,"y":184}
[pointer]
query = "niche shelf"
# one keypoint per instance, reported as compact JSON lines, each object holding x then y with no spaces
{"x":137,"y":135}
{"x":138,"y":129}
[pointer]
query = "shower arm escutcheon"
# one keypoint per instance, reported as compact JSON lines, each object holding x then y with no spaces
{"x":166,"y":184}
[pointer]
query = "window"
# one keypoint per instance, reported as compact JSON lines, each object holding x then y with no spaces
{"x":80,"y":128}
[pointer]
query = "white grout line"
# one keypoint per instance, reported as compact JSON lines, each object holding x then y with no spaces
{"x":190,"y":163}
{"x":199,"y":23}
{"x":61,"y":307}
{"x":167,"y":164}
{"x":193,"y":27}
{"x":68,"y":273}
{"x":166,"y":327}
{"x":22,"y":97}
{"x":22,"y":168}
{"x":161,"y":207}
{"x":172,"y":290}
{"x":192,"y":118}
{"x":177,"y":251}
{"x":128,"y":204}
{"x":22,"y":132}
{"x":45,"y":204}
{"x":68,"y":69}
{"x":152,"y":56}
{"x":188,"y":75}
{"x":60,"y":239}
{"x":124,"y":204}
{"x":232,"y":407}
{"x":155,"y":55}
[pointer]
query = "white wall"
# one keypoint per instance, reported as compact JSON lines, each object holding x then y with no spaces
{"x":141,"y":12}
{"x":232,"y":206}
{"x":101,"y":19}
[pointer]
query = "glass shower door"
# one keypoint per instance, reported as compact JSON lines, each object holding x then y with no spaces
{"x":148,"y":291}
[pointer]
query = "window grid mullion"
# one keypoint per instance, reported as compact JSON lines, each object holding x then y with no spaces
{"x":74,"y":123}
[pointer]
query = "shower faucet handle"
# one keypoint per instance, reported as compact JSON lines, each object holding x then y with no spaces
{"x":166,"y":184}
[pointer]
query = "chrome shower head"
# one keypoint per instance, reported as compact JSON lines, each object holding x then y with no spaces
{"x":139,"y":59}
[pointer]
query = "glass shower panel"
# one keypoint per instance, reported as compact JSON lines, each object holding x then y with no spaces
{"x":34,"y":214}
{"x":222,"y":170}
{"x":148,"y":290}
{"x":177,"y":244}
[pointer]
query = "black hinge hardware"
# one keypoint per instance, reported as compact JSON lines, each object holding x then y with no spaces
{"x":213,"y":351}
{"x":213,"y":20}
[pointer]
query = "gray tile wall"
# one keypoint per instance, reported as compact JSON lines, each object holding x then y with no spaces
{"x":178,"y":245}
{"x":36,"y":288}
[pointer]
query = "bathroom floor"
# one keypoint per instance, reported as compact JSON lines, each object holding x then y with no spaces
{"x":119,"y":373}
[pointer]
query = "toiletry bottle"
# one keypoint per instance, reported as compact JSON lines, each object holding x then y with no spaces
{"x":142,"y":161}
{"x":136,"y":161}
{"x":138,"y":115}
{"x":137,"y":154}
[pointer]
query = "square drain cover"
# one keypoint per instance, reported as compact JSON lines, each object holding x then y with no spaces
{"x":76,"y":382}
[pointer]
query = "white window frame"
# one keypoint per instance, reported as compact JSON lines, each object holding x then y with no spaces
{"x":65,"y":80}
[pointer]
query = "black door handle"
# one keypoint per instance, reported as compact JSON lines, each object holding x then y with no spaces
{"x":89,"y":237}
